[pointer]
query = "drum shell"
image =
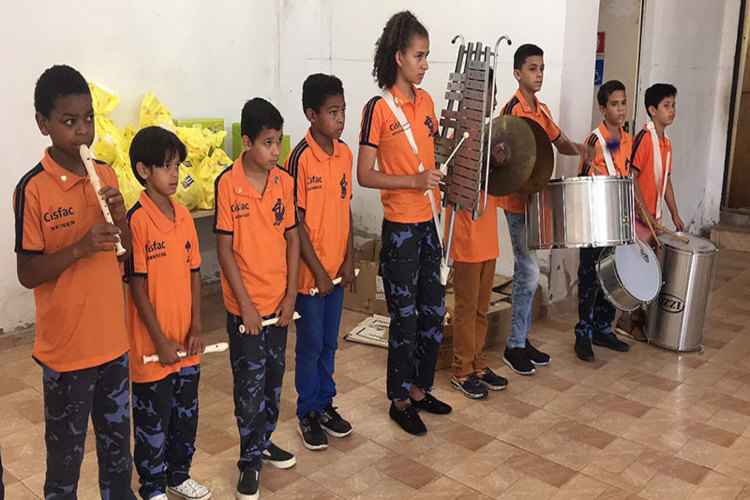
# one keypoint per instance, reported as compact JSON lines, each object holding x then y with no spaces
{"x":615,"y":282}
{"x":581,"y":212}
{"x":676,"y":319}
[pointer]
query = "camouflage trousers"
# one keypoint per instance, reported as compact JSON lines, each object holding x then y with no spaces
{"x":165,"y":422}
{"x":595,"y":312}
{"x":258,"y":363}
{"x":69,"y":399}
{"x":410,"y":266}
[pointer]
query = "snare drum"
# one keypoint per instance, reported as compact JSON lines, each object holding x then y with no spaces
{"x":630,"y":275}
{"x":580,"y":212}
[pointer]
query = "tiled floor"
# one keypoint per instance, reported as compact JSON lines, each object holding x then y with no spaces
{"x":646,"y":424}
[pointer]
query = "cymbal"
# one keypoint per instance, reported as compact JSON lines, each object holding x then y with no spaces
{"x":518,"y":137}
{"x":545,"y":160}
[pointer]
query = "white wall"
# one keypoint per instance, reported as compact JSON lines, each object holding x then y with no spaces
{"x":691,"y":43}
{"x":620,"y":20}
{"x":205,"y":59}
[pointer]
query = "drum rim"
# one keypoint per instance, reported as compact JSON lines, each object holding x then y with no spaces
{"x":610,"y":297}
{"x":598,"y":244}
{"x":592,"y":178}
{"x":664,"y":242}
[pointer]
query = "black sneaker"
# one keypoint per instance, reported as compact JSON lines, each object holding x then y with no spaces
{"x":518,"y":361}
{"x":279,"y":458}
{"x":470,"y":386}
{"x":408,"y":419}
{"x":610,"y":341}
{"x":312,"y":435}
{"x":583,"y":348}
{"x":492,"y":380}
{"x":248,"y":486}
{"x":431,"y":404}
{"x":537,"y":357}
{"x":334,"y":424}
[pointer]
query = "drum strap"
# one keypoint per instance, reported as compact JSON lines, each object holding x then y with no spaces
{"x":660,"y":173}
{"x":605,"y":152}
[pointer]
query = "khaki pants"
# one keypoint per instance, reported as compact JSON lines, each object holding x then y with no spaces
{"x":472,"y":285}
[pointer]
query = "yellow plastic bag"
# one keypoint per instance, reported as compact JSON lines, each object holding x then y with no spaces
{"x":153,"y":112}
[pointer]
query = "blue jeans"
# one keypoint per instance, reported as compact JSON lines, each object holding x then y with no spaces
{"x":317,"y":341}
{"x":525,"y":281}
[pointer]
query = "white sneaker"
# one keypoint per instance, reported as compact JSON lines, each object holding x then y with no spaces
{"x":190,"y":490}
{"x":162,"y":496}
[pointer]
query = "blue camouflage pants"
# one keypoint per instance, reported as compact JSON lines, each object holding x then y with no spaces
{"x":410,"y":265}
{"x":595,"y":312}
{"x":165,"y":422}
{"x":258,"y":371}
{"x":69,"y":399}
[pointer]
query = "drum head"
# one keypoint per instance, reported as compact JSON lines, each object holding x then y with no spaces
{"x":638,"y":270}
{"x":688,"y":243}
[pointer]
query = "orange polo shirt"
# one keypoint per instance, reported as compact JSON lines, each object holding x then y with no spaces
{"x":517,"y":106}
{"x":324,"y":191}
{"x":642,"y":161}
{"x":258,"y":223}
{"x":382,"y":130}
{"x":165,"y":252}
{"x":80,"y":315}
{"x":620,"y":156}
{"x":475,"y":240}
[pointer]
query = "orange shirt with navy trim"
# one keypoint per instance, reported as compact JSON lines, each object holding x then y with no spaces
{"x":324,"y":191}
{"x":517,"y":106}
{"x":382,"y":130}
{"x":166,"y":253}
{"x":475,"y":240}
{"x":257,"y":223}
{"x":642,"y":161}
{"x":80,"y":315}
{"x":620,"y":156}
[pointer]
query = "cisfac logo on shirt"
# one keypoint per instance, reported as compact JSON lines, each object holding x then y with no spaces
{"x":156,"y":249}
{"x":314,"y":182}
{"x":60,"y":217}
{"x":240,"y":209}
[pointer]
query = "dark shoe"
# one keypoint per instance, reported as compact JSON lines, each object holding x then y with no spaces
{"x":492,"y":380}
{"x":610,"y":341}
{"x":470,"y":386}
{"x":279,"y":458}
{"x":312,"y":435}
{"x":537,"y":357}
{"x":408,"y":419}
{"x":248,"y":487}
{"x":518,"y":360}
{"x":583,"y":348}
{"x":431,"y":404}
{"x":334,"y":424}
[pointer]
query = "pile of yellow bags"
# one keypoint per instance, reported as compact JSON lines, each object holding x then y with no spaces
{"x":204,"y":147}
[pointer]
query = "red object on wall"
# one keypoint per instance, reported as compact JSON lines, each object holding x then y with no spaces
{"x":600,"y":43}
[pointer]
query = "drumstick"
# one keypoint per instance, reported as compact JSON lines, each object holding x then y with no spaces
{"x":220,"y":347}
{"x":335,"y":281}
{"x":97,"y":185}
{"x":266,"y":322}
{"x":650,"y":226}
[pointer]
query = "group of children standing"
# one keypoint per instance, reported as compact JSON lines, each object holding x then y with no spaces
{"x":281,"y":232}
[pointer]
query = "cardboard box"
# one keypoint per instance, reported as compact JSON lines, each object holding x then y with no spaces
{"x":366,"y":295}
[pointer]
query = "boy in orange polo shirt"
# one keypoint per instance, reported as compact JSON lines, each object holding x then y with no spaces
{"x":65,"y":253}
{"x":165,"y":318}
{"x":258,"y":249}
{"x":528,"y":70}
{"x":612,"y":146}
{"x":322,"y":167}
{"x":652,"y":170}
{"x":474,"y":251}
